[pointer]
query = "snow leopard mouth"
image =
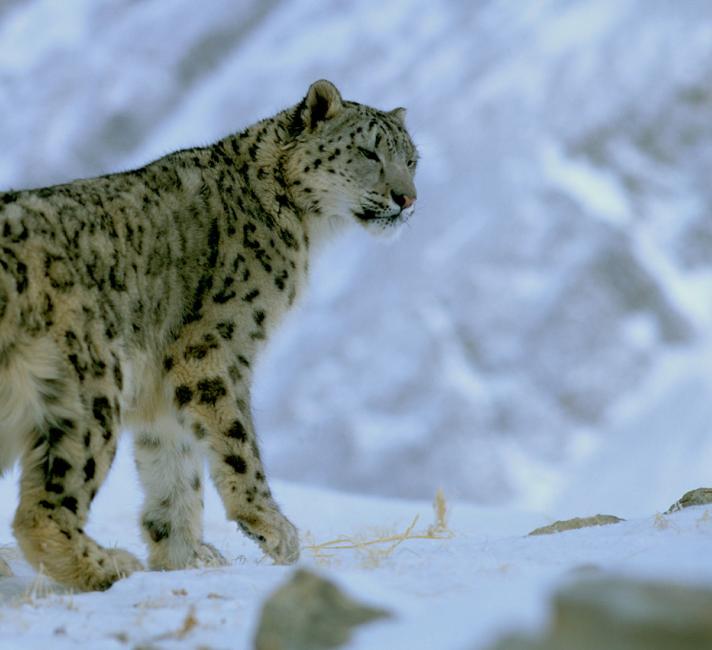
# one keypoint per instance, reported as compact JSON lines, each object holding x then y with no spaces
{"x":367,"y":215}
{"x":391,"y":218}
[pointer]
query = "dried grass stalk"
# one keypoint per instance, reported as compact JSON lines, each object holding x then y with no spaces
{"x":381,"y":547}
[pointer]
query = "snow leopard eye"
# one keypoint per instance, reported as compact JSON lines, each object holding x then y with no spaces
{"x":370,"y":155}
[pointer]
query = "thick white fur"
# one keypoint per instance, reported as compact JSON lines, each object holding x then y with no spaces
{"x":27,"y":367}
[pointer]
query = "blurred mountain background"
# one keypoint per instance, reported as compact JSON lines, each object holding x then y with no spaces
{"x":549,"y":309}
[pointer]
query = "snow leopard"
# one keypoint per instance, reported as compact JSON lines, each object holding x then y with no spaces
{"x":141,"y":300}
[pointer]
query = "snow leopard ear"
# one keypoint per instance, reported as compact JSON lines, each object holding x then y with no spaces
{"x":323,"y":102}
{"x":398,"y":114}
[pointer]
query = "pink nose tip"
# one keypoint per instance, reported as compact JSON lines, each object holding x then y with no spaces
{"x":403,"y":201}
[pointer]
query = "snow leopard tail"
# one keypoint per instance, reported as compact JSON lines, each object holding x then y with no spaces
{"x":32,"y":386}
{"x":9,"y":313}
{"x":8,"y":316}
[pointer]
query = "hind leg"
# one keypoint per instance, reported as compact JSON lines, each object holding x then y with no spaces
{"x":70,"y":456}
{"x":170,"y":465}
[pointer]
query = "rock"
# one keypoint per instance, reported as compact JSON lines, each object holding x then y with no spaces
{"x":698,"y":497}
{"x":310,"y":613}
{"x":626,"y":615}
{"x":576,"y":522}
{"x":647,"y":615}
{"x":5,"y":570}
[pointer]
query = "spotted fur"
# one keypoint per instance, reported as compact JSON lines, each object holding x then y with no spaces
{"x":141,"y":300}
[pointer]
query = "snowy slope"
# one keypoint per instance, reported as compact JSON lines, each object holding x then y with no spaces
{"x":449,"y":594}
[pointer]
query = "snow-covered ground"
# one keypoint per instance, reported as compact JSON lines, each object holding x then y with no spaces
{"x":456,"y":593}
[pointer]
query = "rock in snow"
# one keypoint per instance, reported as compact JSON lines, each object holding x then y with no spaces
{"x":576,"y":522}
{"x":624,"y":614}
{"x":698,"y":497}
{"x":310,"y":613}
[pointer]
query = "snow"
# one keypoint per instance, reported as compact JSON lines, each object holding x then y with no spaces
{"x":463,"y":591}
{"x":590,"y":186}
{"x":538,"y":342}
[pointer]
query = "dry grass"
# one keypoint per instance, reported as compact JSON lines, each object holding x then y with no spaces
{"x":42,"y":591}
{"x":704,"y":520}
{"x":41,"y":588}
{"x":189,"y":623}
{"x":374,"y":550}
{"x":661,"y":522}
{"x":440,"y":526}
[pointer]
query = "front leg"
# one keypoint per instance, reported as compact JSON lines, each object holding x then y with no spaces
{"x":219,"y":416}
{"x":170,"y":467}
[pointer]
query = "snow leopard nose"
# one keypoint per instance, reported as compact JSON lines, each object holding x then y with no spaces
{"x":403,"y":201}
